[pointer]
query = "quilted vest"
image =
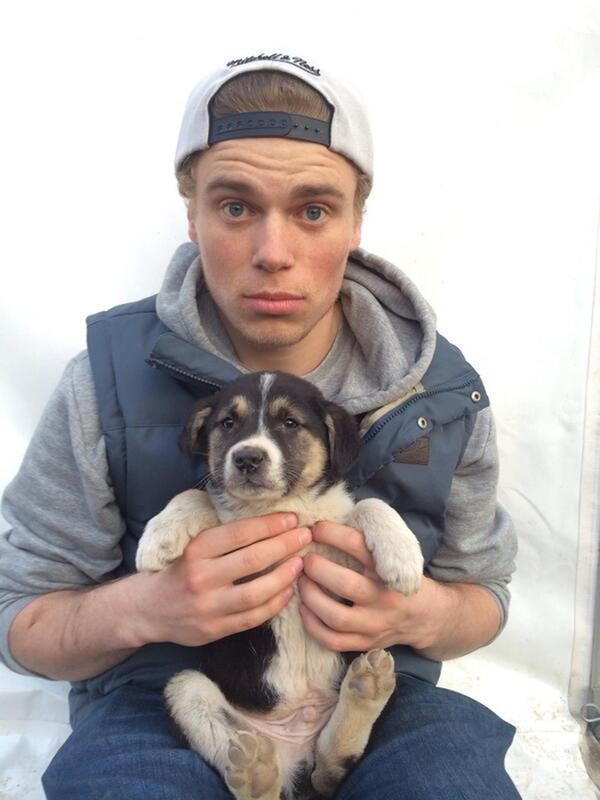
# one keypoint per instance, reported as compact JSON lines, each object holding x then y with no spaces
{"x":147,"y":381}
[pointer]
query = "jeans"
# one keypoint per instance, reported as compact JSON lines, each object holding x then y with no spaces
{"x":429,"y":744}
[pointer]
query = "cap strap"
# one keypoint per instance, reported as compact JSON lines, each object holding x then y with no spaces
{"x":269,"y":123}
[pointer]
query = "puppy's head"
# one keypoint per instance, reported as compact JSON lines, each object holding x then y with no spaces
{"x":269,"y":435}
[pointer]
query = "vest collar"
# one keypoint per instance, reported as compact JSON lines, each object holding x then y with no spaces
{"x":190,"y":364}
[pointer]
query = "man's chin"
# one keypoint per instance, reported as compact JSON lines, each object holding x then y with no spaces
{"x":271,"y":335}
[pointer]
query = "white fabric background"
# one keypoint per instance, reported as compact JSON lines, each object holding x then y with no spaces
{"x":487,"y":123}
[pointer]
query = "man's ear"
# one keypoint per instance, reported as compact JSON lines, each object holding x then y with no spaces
{"x":192,"y":233}
{"x":344,"y":439}
{"x":193,"y":438}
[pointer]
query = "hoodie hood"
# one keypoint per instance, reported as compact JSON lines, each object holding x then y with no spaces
{"x":383,"y":349}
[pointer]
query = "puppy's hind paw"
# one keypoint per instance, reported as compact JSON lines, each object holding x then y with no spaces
{"x":371,"y":676}
{"x":253,"y":772}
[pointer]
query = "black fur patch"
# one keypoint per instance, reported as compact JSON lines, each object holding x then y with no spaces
{"x":303,"y":788}
{"x":237,"y":665}
{"x":350,"y":762}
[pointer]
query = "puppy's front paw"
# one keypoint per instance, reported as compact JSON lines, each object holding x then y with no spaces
{"x":253,"y":770}
{"x":162,"y":542}
{"x":402,"y":568}
{"x":394,"y":547}
{"x":168,"y":533}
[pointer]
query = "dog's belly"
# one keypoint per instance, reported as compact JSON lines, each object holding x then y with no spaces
{"x":300,"y":667}
{"x":297,"y":725}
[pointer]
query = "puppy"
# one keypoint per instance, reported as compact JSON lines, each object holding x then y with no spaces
{"x":271,"y":706}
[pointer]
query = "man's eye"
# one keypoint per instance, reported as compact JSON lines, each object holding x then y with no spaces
{"x":234,"y":209}
{"x":290,"y":423}
{"x":227,"y":423}
{"x":314,"y":213}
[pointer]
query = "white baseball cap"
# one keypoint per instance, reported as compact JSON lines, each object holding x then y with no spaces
{"x":348,"y":132}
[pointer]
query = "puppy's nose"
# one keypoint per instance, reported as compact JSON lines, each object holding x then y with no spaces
{"x":248,"y":459}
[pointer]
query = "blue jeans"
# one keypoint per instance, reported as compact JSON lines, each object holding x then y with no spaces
{"x":429,"y":744}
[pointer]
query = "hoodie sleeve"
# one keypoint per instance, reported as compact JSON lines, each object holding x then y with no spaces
{"x":65,"y":526}
{"x":479,"y":543}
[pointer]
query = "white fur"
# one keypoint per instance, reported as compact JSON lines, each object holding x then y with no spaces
{"x":167,"y":535}
{"x":394,"y":547}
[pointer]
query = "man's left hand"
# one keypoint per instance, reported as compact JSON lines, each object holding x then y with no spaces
{"x":379,"y":616}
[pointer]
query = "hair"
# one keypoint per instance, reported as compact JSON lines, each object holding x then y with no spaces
{"x":267,"y":90}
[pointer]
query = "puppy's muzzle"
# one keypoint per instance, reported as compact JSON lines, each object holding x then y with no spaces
{"x":249,"y":459}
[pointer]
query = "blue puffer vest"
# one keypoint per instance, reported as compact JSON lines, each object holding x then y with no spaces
{"x":147,"y":381}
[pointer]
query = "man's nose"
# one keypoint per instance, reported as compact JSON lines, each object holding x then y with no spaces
{"x":273,"y":250}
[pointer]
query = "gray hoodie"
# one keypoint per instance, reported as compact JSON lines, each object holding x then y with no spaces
{"x":66,"y":526}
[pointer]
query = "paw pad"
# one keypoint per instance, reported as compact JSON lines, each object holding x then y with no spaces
{"x":253,"y":768}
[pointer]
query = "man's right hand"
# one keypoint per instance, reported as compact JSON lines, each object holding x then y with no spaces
{"x":200,"y":598}
{"x":74,"y":634}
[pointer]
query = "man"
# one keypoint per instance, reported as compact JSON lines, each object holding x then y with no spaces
{"x":274,"y":160}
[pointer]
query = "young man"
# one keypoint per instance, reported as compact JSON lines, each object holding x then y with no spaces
{"x":274,"y":159}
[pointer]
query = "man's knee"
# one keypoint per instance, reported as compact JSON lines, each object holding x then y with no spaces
{"x":432,"y":744}
{"x":126,"y":749}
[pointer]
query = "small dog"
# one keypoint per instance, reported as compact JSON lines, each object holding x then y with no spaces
{"x":267,"y":709}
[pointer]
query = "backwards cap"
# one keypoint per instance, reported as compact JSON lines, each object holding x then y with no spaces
{"x":348,"y":132}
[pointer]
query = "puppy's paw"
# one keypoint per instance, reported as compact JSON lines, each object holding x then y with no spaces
{"x":371,"y":676}
{"x":253,"y":770}
{"x":167,"y":534}
{"x":394,"y":547}
{"x":400,"y":567}
{"x":163,"y":541}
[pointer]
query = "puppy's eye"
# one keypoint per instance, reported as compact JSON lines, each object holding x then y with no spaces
{"x":227,"y":423}
{"x":290,"y":423}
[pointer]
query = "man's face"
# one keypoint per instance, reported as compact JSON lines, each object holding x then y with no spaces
{"x":274,"y":220}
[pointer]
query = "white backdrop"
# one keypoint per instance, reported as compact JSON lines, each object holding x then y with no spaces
{"x":487,"y":192}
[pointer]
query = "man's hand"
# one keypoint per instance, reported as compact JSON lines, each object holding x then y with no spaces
{"x":440,"y":620}
{"x":199,"y":598}
{"x":74,"y":635}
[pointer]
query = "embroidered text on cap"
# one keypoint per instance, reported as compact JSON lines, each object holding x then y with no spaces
{"x":295,"y":60}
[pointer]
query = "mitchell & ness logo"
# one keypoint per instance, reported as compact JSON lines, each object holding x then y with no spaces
{"x":297,"y":62}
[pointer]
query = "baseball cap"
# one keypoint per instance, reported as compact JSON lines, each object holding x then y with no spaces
{"x":348,"y":132}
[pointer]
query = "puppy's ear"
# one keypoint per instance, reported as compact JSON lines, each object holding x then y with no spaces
{"x":344,"y":440}
{"x":193,"y":438}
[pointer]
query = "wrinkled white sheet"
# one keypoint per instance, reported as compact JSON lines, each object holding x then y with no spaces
{"x":34,"y":722}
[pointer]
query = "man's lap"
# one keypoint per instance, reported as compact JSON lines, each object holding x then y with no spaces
{"x":429,"y":743}
{"x":433,"y":744}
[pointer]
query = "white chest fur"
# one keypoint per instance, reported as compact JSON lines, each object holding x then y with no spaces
{"x":301,"y":666}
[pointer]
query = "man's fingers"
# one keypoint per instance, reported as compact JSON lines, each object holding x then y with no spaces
{"x":340,"y":580}
{"x":232,"y":536}
{"x":259,"y":556}
{"x":252,"y":618}
{"x":335,"y":615}
{"x":347,"y":539}
{"x":330,"y":639}
{"x":258,"y":591}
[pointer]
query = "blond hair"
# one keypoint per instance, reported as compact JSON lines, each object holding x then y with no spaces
{"x":267,"y":90}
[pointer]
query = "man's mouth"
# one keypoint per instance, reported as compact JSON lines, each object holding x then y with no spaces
{"x":274,"y":303}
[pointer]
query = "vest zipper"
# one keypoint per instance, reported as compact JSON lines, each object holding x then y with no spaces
{"x":157,"y":362}
{"x":374,"y":430}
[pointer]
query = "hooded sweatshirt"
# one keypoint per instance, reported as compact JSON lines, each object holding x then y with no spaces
{"x":65,"y":524}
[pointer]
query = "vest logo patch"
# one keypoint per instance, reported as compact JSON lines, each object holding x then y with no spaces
{"x":416,"y":453}
{"x":294,"y":60}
